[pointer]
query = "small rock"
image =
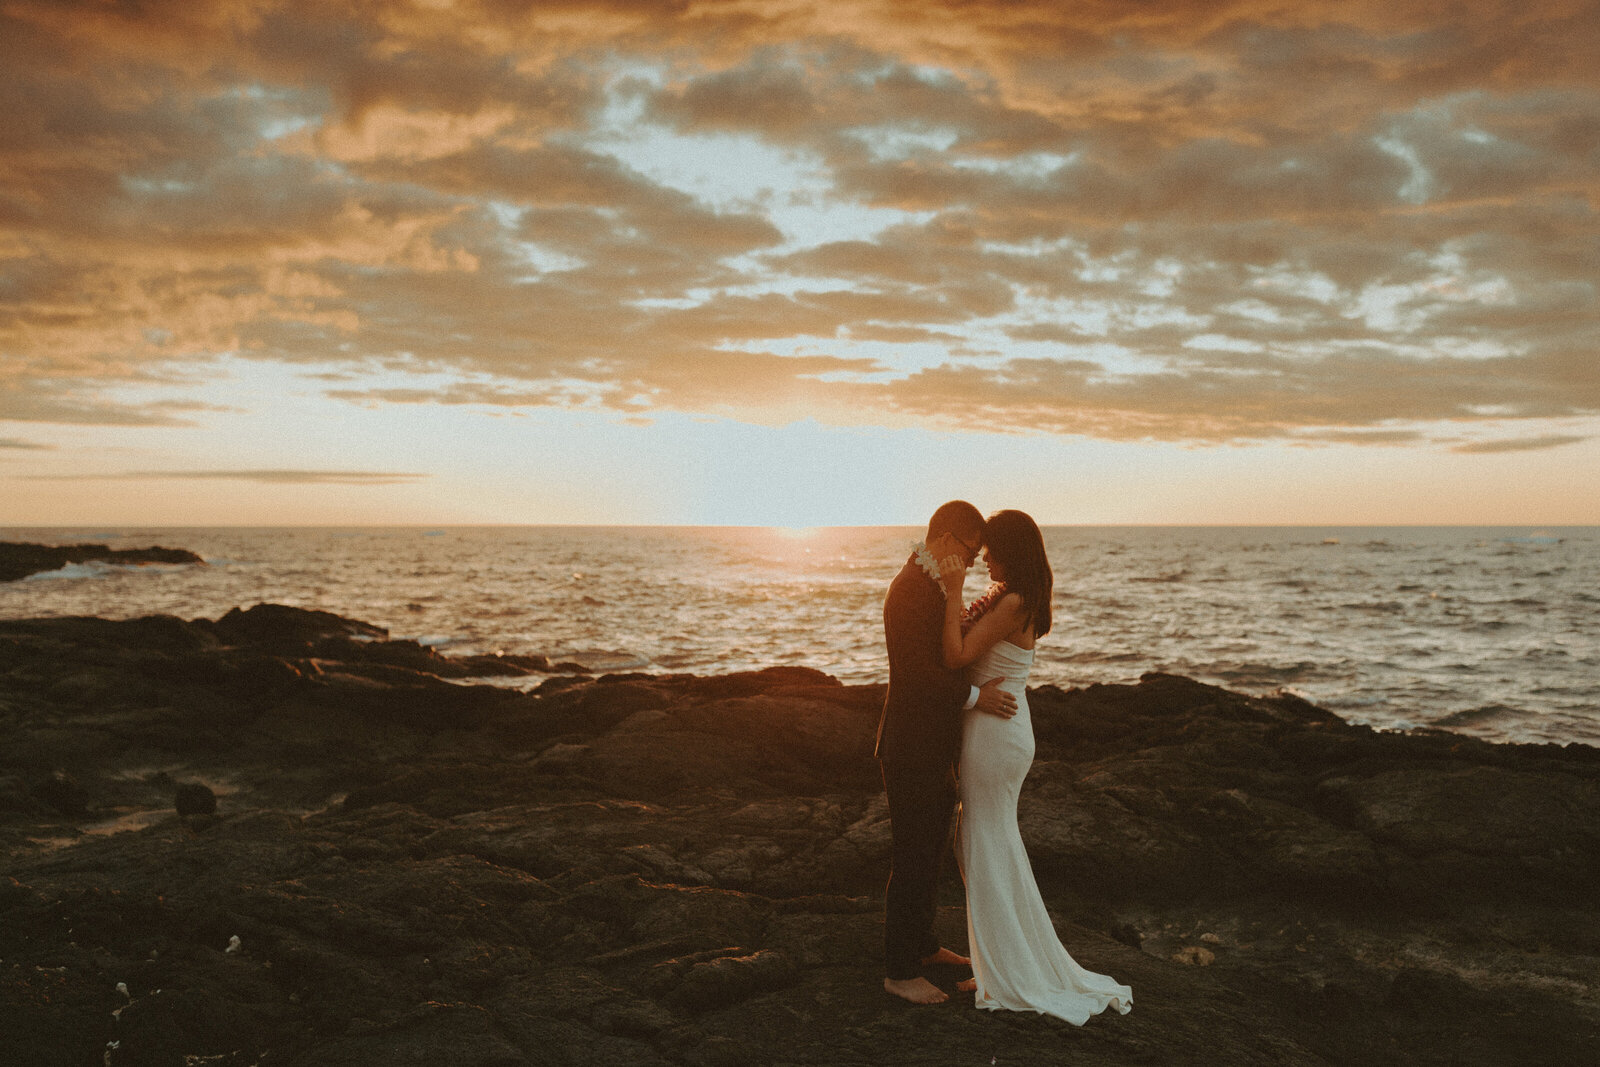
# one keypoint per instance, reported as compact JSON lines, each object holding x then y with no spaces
{"x":13,"y":892}
{"x":561,"y":756}
{"x":1126,"y":933}
{"x":730,"y":979}
{"x":1194,"y":956}
{"x":195,"y":799}
{"x":234,"y":945}
{"x":62,"y":792}
{"x":13,"y":793}
{"x":639,"y":720}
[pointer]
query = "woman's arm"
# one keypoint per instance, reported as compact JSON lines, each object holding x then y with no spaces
{"x":998,"y":623}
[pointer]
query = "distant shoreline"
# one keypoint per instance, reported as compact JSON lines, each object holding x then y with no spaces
{"x":20,"y":559}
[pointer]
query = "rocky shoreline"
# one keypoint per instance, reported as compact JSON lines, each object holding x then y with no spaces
{"x":388,"y":856}
{"x":18,"y":559}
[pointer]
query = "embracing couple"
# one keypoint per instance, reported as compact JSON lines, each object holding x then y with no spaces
{"x":957,"y":699}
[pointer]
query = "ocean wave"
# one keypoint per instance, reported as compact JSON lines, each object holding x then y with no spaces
{"x":96,"y":569}
{"x":439,"y":640}
{"x":605,"y":659}
{"x":1261,"y":674}
{"x":71,"y":571}
{"x":1103,"y":657}
{"x":1489,"y":713}
{"x":1350,"y":701}
{"x":1163,"y":579}
{"x":1386,"y":607}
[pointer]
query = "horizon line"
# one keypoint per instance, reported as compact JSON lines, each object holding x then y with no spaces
{"x":784,"y":526}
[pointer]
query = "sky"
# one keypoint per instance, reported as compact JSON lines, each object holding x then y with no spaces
{"x":780,"y":262}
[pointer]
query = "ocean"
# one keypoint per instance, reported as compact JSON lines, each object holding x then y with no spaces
{"x":1488,"y":631}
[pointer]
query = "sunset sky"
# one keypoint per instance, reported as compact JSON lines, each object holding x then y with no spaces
{"x":799,"y":262}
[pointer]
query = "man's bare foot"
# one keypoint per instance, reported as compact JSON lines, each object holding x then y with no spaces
{"x":947,"y":958}
{"x":917,"y":990}
{"x":967,"y":985}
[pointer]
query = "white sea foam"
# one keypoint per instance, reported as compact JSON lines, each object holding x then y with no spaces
{"x":93,"y":569}
{"x":72,"y":571}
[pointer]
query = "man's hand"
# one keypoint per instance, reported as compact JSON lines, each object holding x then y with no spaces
{"x":992,"y":700}
{"x":953,"y":569}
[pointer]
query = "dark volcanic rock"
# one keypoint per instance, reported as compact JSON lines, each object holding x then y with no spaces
{"x":18,"y":559}
{"x":720,"y":978}
{"x":663,"y":869}
{"x":63,"y":793}
{"x":412,"y":656}
{"x":192,"y":798}
{"x":287,"y":630}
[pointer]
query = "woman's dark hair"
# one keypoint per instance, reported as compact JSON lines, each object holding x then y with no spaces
{"x":1015,"y":542}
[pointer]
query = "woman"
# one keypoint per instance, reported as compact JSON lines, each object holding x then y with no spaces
{"x":1017,"y":960}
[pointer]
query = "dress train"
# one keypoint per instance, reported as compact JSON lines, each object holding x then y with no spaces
{"x":1017,"y":960}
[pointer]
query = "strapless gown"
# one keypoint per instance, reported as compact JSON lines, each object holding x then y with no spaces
{"x":1017,"y":959}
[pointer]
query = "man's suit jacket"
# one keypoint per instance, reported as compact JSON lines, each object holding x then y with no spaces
{"x":921,"y":722}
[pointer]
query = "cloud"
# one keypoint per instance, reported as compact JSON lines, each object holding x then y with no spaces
{"x":1361,"y":437}
{"x":1185,"y":221}
{"x":1520,"y":444}
{"x":46,"y":400}
{"x":1242,"y":398}
{"x":276,"y":477}
{"x":458,"y":393}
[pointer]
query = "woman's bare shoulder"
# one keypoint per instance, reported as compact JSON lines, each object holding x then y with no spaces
{"x":1011,"y":603}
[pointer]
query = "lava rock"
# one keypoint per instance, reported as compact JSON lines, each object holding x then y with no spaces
{"x":62,"y":792}
{"x":193,"y":798}
{"x":18,"y":559}
{"x":663,"y":869}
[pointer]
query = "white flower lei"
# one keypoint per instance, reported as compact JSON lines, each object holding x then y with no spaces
{"x":929,"y":565}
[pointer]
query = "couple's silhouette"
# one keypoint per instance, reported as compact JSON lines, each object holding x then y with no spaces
{"x":957,"y":699}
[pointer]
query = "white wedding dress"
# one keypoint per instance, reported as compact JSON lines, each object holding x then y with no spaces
{"x":1017,"y":960}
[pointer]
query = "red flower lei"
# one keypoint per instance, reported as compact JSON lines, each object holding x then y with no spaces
{"x":980,"y":607}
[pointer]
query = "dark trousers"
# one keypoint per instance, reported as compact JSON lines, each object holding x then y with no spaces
{"x":922,"y":802}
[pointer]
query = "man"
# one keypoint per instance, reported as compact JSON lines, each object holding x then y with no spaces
{"x":919,"y":741}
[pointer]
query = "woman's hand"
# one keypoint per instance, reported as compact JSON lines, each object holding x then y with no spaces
{"x":953,"y":569}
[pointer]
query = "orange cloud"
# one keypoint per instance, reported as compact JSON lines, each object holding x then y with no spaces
{"x":276,"y":477}
{"x":1199,"y":221}
{"x":1521,"y":444}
